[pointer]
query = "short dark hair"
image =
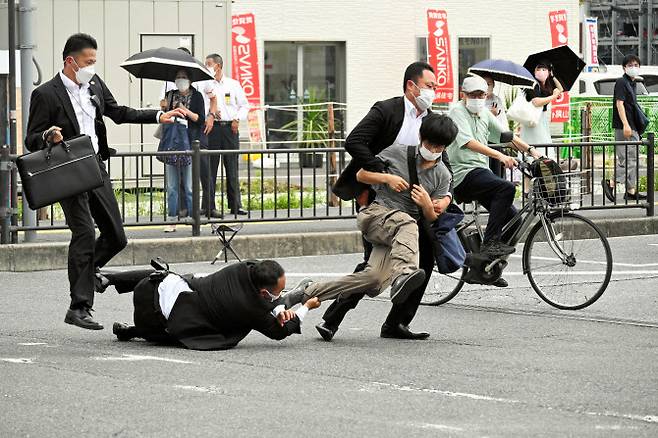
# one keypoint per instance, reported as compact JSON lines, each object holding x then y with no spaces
{"x":266,"y":273}
{"x":438,"y":130}
{"x":185,"y":49}
{"x":630,"y":58}
{"x":77,"y":43}
{"x":216,"y":58}
{"x":414,"y":71}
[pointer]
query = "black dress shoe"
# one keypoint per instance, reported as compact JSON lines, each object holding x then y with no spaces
{"x":122,"y":331}
{"x":501,"y":282}
{"x":637,"y":196}
{"x":401,"y":331}
{"x":405,"y":284}
{"x":239,"y":212}
{"x":216,"y":214}
{"x":607,"y":190}
{"x":326,"y":331}
{"x":82,"y":318}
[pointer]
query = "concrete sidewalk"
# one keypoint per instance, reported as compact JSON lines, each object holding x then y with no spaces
{"x":256,"y":240}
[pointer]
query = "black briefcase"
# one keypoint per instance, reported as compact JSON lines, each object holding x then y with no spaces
{"x":59,"y":171}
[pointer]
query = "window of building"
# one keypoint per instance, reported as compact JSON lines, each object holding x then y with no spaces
{"x":421,"y":49}
{"x":301,"y":73}
{"x":471,"y":51}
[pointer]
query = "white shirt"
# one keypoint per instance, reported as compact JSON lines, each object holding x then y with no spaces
{"x":232,"y":102}
{"x":85,"y":111}
{"x":169,"y":289}
{"x":300,"y":312}
{"x":410,"y":125}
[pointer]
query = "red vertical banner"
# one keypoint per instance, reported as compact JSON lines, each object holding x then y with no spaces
{"x":559,"y":30}
{"x":559,"y":37}
{"x":438,"y":53}
{"x":245,"y":67}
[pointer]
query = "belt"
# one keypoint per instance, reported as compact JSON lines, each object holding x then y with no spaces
{"x":223,"y":123}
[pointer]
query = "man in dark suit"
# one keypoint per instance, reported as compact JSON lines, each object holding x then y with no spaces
{"x":212,"y":312}
{"x":73,"y":103}
{"x":395,"y":120}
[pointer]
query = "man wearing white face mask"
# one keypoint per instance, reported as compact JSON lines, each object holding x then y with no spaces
{"x":73,"y":103}
{"x":628,"y":121}
{"x":469,"y":157}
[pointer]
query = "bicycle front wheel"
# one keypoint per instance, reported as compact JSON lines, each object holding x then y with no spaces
{"x":442,"y":287}
{"x":575,"y":271}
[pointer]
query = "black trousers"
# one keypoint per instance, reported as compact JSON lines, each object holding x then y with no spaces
{"x":221,"y":138}
{"x":86,"y":252}
{"x":150,"y":324}
{"x":401,"y":313}
{"x":493,"y":193}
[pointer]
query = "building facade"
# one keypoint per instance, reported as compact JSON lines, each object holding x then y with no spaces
{"x":340,"y":50}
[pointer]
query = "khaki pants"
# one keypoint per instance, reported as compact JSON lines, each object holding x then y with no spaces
{"x":394,"y":236}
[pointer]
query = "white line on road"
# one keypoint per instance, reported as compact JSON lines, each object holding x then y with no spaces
{"x":21,"y":360}
{"x":507,"y":273}
{"x":405,"y":388}
{"x":31,"y":344}
{"x":136,"y":358}
{"x":204,"y":389}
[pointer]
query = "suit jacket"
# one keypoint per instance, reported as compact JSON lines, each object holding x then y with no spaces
{"x":224,"y":308}
{"x":374,"y":133}
{"x":50,"y":105}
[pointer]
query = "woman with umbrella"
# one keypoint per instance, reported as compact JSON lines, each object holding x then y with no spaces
{"x":548,"y":89}
{"x":179,"y":171}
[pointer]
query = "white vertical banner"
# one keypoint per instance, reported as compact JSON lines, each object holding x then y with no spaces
{"x":591,"y":39}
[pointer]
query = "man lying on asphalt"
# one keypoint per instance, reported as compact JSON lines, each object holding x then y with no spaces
{"x":212,"y":312}
{"x":389,"y":223}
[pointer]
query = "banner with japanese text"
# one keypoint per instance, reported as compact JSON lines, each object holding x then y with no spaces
{"x":559,"y":37}
{"x":438,"y":53}
{"x":591,"y":39}
{"x":245,"y":68}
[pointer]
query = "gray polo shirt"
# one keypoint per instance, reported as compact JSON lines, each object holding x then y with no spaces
{"x":435,"y":180}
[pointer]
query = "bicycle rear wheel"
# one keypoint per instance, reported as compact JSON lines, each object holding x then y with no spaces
{"x":442,"y":287}
{"x":583,"y":276}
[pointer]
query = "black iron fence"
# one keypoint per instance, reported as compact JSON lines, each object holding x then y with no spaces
{"x":295,"y":184}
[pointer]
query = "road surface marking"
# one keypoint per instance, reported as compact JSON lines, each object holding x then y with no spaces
{"x":16,"y":360}
{"x":507,"y":273}
{"x":136,"y":358}
{"x":204,"y":389}
{"x":31,"y":344}
{"x":436,"y":427}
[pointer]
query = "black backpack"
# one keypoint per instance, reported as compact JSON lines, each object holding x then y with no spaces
{"x":551,"y":181}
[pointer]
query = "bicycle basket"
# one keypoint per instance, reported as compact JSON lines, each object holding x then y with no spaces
{"x":561,"y":190}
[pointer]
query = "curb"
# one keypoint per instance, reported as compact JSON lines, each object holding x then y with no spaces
{"x":53,"y":255}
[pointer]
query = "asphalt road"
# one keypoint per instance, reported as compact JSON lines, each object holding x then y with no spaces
{"x":499,"y":363}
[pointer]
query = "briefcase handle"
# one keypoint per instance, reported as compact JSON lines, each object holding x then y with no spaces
{"x":50,"y":146}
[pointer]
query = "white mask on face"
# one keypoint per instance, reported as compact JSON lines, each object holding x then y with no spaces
{"x":632,"y":71}
{"x":183,"y":84}
{"x":84,"y":75}
{"x":429,"y":155}
{"x":425,"y":99}
{"x":475,"y":105}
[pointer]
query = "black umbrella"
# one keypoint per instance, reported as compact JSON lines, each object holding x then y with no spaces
{"x":163,"y":64}
{"x":566,"y":64}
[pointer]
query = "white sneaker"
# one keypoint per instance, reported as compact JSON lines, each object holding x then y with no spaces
{"x":169,"y":228}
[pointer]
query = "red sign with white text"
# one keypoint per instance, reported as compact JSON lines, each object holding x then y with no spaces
{"x":559,"y":30}
{"x":438,"y":53}
{"x":245,"y":56}
{"x":559,"y":37}
{"x":245,"y":66}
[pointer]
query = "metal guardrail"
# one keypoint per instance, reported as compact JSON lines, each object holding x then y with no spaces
{"x":287,"y":190}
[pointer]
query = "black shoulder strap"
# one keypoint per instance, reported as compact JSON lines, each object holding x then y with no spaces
{"x":413,"y":173}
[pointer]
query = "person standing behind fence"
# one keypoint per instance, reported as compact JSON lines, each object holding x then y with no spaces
{"x":179,"y":169}
{"x":72,"y":103}
{"x":626,"y":123}
{"x":222,"y":123}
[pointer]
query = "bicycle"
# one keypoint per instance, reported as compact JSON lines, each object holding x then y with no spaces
{"x":556,"y":246}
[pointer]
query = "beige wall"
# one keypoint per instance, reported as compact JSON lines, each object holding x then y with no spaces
{"x":379,"y":35}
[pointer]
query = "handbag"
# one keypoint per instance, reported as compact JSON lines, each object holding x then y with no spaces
{"x":59,"y":171}
{"x":449,"y":252}
{"x":524,"y":112}
{"x":174,"y":138}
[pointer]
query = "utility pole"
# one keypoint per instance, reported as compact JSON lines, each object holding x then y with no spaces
{"x":26,"y":44}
